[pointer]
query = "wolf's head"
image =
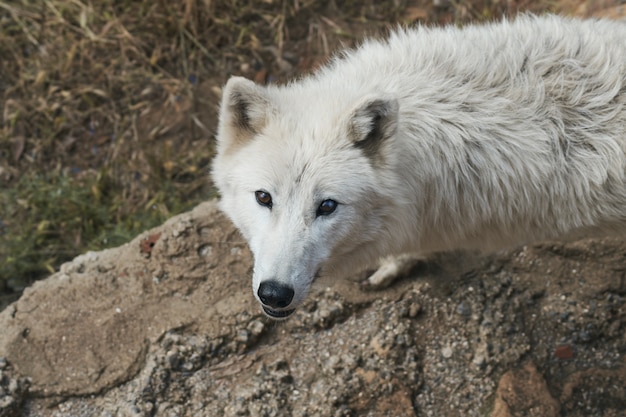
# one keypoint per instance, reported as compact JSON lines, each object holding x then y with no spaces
{"x":304,"y":175}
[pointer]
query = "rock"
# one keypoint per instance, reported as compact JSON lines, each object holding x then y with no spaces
{"x":524,"y":393}
{"x":178,"y":332}
{"x":446,"y":352}
{"x":464,"y":309}
{"x":414,"y":310}
{"x":84,"y":330}
{"x":13,"y":390}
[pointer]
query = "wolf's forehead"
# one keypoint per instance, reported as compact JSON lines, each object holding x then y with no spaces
{"x":307,"y":167}
{"x":307,"y":151}
{"x":302,"y":144}
{"x":299,"y":167}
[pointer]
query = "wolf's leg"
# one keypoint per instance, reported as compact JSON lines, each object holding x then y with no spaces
{"x":390,"y":269}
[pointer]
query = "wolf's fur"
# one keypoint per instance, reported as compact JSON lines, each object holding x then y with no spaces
{"x":436,"y":139}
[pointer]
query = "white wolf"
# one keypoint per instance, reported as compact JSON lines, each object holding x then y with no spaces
{"x":435,"y":139}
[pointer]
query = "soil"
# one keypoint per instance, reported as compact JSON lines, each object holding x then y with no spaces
{"x":167,"y":326}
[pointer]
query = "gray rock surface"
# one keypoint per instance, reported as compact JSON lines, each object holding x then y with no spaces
{"x":167,"y":326}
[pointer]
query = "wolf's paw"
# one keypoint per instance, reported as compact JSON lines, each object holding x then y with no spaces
{"x":391,"y":268}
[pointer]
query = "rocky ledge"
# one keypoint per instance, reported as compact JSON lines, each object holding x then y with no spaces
{"x":166,"y":325}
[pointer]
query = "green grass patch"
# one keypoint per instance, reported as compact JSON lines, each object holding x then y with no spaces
{"x":50,"y":218}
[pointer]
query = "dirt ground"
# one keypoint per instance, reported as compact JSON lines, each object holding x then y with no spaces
{"x":166,"y":325}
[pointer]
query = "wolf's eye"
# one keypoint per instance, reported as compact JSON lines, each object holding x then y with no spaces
{"x":263,"y":198}
{"x":327,"y":207}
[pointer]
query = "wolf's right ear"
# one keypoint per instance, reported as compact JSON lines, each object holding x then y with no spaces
{"x":243,"y":112}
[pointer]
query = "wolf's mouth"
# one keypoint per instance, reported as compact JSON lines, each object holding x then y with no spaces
{"x":278,"y":314}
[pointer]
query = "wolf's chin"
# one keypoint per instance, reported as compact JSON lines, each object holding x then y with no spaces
{"x":277,"y":314}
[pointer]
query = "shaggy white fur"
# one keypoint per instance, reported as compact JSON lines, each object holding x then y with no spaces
{"x":434,"y":139}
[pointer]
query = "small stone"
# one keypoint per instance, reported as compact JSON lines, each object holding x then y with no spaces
{"x":6,"y":402}
{"x":243,"y":336}
{"x":586,"y":336}
{"x":187,"y":367}
{"x":333,"y":362}
{"x":205,"y":251}
{"x":173,"y":359}
{"x":446,"y":352}
{"x":349,"y":361}
{"x":256,"y":327}
{"x":13,"y":386}
{"x":378,"y":344}
{"x":564,"y":352}
{"x":414,"y":310}
{"x":464,"y":309}
{"x":524,"y":389}
{"x":479,"y":361}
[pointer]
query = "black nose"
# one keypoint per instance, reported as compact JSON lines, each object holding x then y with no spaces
{"x":275,"y":294}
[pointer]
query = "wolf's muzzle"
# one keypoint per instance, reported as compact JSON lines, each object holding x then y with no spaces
{"x":275,"y":297}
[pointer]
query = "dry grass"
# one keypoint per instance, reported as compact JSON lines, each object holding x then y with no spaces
{"x":108,"y":106}
{"x":108,"y":109}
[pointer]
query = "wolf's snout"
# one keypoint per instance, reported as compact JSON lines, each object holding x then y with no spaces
{"x":274,"y":294}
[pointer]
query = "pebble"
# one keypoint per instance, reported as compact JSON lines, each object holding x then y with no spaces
{"x":414,"y":310}
{"x":173,"y":359}
{"x":564,"y":352}
{"x":479,"y":360}
{"x":6,"y":402}
{"x":464,"y":309}
{"x":205,"y":251}
{"x":256,"y":327}
{"x":243,"y":336}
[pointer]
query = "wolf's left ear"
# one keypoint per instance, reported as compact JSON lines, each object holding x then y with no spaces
{"x":372,"y":123}
{"x":243,"y":112}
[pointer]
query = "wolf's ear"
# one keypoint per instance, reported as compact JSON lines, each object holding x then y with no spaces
{"x":372,"y":123}
{"x":243,"y":112}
